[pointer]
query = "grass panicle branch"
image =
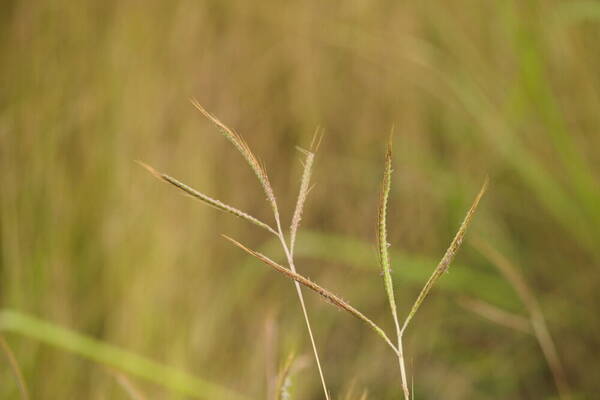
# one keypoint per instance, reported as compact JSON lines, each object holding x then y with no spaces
{"x":260,"y":172}
{"x":382,"y":239}
{"x":240,"y":144}
{"x":288,"y":247}
{"x":324,"y":293}
{"x":444,"y":264}
{"x":207,"y":199}
{"x":384,"y":259}
{"x":304,"y":186}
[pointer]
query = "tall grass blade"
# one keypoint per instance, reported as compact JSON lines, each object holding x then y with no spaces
{"x":206,"y":199}
{"x":448,"y":256}
{"x":324,"y":293}
{"x":538,"y":321}
{"x":496,"y":314}
{"x":112,"y":356}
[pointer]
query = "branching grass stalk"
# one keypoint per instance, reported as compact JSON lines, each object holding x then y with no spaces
{"x":384,"y":259}
{"x":289,"y":249}
{"x":288,"y":246}
{"x":263,"y":178}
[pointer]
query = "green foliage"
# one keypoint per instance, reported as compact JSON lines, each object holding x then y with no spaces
{"x":101,"y":352}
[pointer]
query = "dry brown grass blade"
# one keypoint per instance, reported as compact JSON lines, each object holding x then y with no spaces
{"x":538,"y":321}
{"x":324,"y":293}
{"x":448,"y":256}
{"x":496,"y":315}
{"x":304,"y":188}
{"x":219,"y":205}
{"x":240,"y":144}
{"x":14,"y":366}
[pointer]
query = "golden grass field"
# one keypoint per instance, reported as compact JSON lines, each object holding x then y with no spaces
{"x":101,"y":263}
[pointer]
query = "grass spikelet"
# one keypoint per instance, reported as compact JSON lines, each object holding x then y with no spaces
{"x":207,"y":199}
{"x":304,"y":187}
{"x":240,"y":144}
{"x":324,"y":293}
{"x":444,"y":264}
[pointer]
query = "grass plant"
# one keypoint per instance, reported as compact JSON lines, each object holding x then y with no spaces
{"x":261,"y":173}
{"x":289,"y":244}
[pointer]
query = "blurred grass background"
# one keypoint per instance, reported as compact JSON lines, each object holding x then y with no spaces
{"x":90,"y":242}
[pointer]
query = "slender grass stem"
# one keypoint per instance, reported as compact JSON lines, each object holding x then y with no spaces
{"x":259,"y":170}
{"x":402,"y":368}
{"x":292,"y":266}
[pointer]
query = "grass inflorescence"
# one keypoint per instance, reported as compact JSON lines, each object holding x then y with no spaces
{"x":288,"y":243}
